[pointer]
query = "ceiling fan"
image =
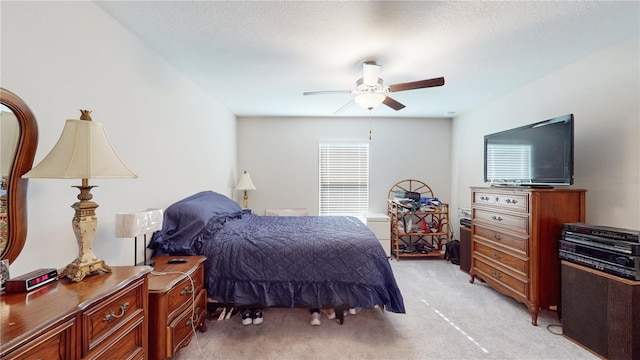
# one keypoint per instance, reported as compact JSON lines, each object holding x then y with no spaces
{"x":371,"y":91}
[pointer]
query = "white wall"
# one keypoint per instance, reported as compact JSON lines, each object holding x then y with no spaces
{"x":281,"y":154}
{"x":60,"y":57}
{"x":603,"y":92}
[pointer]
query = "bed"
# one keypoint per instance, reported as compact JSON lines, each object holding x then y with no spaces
{"x":280,"y":261}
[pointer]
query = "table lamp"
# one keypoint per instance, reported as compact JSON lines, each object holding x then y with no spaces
{"x":245,"y":184}
{"x":138,"y":223}
{"x":83,"y":152}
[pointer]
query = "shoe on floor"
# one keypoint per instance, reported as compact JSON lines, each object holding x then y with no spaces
{"x":257,"y":317}
{"x":331,"y":314}
{"x":247,"y":316}
{"x":315,"y":318}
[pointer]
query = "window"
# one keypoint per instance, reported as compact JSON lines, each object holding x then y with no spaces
{"x":344,"y":179}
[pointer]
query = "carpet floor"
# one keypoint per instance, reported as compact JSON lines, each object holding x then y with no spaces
{"x":447,"y":318}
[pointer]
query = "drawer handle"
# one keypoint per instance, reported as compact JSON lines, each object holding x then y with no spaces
{"x":496,"y":237}
{"x":509,"y":201}
{"x":193,"y":319}
{"x":484,"y":198}
{"x":113,"y":315}
{"x":497,"y":218}
{"x":495,"y":274}
{"x":187,"y":290}
{"x":496,"y":255}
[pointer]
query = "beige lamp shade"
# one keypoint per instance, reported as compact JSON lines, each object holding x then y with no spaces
{"x":82,"y":152}
{"x":137,"y":223}
{"x":245,"y":182}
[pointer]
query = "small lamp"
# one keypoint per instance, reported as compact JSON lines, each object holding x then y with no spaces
{"x":83,"y":152}
{"x":138,"y":223}
{"x":245,"y":184}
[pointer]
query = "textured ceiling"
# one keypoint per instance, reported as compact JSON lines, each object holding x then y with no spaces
{"x":258,"y":57}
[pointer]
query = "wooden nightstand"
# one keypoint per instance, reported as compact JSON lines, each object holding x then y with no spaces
{"x":176,"y":304}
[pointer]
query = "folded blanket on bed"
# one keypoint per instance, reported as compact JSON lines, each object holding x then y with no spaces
{"x":185,"y":220}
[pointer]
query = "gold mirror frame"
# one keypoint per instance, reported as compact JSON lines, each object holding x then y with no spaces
{"x":17,"y":186}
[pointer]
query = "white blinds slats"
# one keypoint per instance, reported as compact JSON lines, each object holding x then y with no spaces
{"x":508,"y":162}
{"x":344,"y":179}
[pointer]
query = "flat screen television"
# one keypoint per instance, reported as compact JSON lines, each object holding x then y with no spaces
{"x":535,"y":155}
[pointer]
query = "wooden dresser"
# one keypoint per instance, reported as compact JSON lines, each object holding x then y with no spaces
{"x":514,"y":245}
{"x":177,"y":304}
{"x":102,"y":317}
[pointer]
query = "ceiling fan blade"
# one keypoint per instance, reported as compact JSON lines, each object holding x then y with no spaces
{"x":327,"y":92}
{"x":393,"y":104}
{"x":371,"y":73}
{"x":420,"y":84}
{"x":343,"y":107}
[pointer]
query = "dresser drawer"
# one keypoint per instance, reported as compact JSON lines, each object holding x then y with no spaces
{"x":500,"y":280}
{"x":513,"y":202}
{"x":182,"y":327}
{"x":129,"y":344}
{"x":514,"y":223}
{"x":517,"y":265}
{"x":57,"y":343}
{"x":182,"y":294}
{"x":518,"y":244}
{"x":108,"y":317}
{"x":483,"y":198}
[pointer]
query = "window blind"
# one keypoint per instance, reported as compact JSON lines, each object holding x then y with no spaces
{"x":508,"y":162}
{"x":344,"y":179}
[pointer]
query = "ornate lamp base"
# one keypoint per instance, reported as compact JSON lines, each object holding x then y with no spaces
{"x":84,"y":225}
{"x":245,"y":200}
{"x":77,"y":272}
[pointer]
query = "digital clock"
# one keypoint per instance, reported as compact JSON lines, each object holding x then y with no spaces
{"x":31,"y":280}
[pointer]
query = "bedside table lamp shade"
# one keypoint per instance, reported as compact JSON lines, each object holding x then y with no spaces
{"x":245,"y":184}
{"x":138,"y":223}
{"x":83,"y":152}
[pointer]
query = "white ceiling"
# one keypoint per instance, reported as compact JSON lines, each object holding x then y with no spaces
{"x":258,"y":57}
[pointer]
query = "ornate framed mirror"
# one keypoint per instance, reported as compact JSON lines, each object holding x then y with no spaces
{"x":18,"y":143}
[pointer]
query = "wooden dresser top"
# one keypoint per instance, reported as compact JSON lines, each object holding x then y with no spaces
{"x":26,"y":313}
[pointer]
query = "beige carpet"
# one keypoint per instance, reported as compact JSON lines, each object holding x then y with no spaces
{"x":447,"y":318}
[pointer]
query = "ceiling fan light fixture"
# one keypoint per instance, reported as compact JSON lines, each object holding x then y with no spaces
{"x":369,"y":100}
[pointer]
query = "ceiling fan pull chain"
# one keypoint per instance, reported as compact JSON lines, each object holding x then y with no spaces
{"x":369,"y":124}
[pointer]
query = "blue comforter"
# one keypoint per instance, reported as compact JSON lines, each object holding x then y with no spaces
{"x":306,"y":261}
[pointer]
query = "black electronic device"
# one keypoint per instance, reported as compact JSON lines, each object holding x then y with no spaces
{"x":31,"y":280}
{"x":606,"y":232}
{"x":177,"y":261}
{"x":598,"y":264}
{"x":612,"y":250}
{"x":535,"y":155}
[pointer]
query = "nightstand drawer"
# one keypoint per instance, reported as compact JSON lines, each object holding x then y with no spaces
{"x":108,"y":317}
{"x":182,"y":294}
{"x":172,"y":295}
{"x":181,"y":329}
